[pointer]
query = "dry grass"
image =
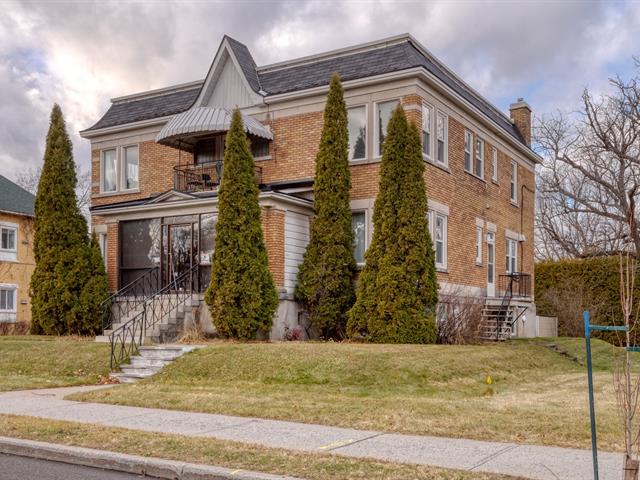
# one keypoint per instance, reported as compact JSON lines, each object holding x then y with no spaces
{"x":225,"y":453}
{"x":537,"y":396}
{"x":32,"y":361}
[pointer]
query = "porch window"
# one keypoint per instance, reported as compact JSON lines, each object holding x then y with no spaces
{"x":468,"y":142}
{"x":131,"y":166}
{"x":109,"y":171}
{"x":479,"y":164}
{"x":357,"y":124}
{"x":383,"y":115}
{"x":427,"y":116}
{"x":359,"y":226}
{"x":139,"y":248}
{"x":512,"y":256}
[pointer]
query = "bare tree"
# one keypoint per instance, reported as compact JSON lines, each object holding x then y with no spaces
{"x":590,"y":181}
{"x":30,"y":178}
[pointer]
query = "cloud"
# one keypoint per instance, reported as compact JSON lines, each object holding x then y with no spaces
{"x":80,"y":54}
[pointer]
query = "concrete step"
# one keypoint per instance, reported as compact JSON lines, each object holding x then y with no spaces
{"x":144,"y":371}
{"x":143,"y":362}
{"x":150,"y":361}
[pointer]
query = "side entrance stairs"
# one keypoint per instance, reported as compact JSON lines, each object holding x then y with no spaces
{"x":151,"y":360}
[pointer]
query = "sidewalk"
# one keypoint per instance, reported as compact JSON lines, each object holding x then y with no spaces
{"x":529,"y":461}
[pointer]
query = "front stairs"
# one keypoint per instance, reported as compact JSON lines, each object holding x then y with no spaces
{"x":499,"y":320}
{"x":150,"y":360}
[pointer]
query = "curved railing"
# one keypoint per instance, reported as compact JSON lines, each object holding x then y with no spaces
{"x":130,"y":297}
{"x":127,"y":338}
{"x":199,"y":178}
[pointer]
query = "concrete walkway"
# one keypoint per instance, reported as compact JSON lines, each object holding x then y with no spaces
{"x":529,"y":461}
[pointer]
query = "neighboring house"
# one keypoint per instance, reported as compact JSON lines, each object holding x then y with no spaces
{"x":16,"y":251}
{"x":156,"y":162}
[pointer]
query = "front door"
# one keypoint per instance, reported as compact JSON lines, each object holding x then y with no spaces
{"x":491,"y":265}
{"x":180,"y":252}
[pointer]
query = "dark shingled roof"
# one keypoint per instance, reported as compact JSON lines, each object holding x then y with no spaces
{"x":395,"y":57}
{"x":15,"y":199}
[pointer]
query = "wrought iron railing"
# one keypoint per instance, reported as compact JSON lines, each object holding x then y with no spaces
{"x":198,"y":178}
{"x":127,"y":338}
{"x":129,"y":298}
{"x":515,"y":284}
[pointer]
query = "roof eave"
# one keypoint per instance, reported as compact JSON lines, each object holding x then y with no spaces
{"x":19,"y":214}
{"x":91,"y":133}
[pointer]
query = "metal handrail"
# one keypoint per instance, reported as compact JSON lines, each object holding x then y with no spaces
{"x":127,"y":338}
{"x":130,"y":297}
{"x":204,"y":177}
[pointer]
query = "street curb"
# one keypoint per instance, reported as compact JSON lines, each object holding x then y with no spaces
{"x":120,"y":462}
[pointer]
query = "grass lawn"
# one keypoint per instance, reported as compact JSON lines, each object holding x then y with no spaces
{"x":224,"y":453}
{"x":536,"y":395}
{"x":39,"y":362}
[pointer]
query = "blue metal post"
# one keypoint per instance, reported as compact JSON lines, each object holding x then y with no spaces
{"x":592,"y":409}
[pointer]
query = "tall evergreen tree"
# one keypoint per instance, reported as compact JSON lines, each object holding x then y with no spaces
{"x":325,"y":277}
{"x":241,"y":297}
{"x":398,"y":291}
{"x":61,"y":245}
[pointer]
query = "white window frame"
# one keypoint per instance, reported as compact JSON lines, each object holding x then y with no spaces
{"x":123,"y":151}
{"x":6,"y":315}
{"x":9,"y":254}
{"x":494,"y":164}
{"x":514,"y":182}
{"x":429,"y":125}
{"x":479,"y":148}
{"x":433,"y":216}
{"x":376,"y":127}
{"x":366,"y":233}
{"x":121,"y":181}
{"x":445,"y":149}
{"x":479,"y":237}
{"x":468,"y":150}
{"x":511,"y":260}
{"x":366,"y":130}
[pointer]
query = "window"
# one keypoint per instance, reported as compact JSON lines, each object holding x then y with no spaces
{"x":441,"y":133}
{"x":259,"y":147}
{"x":426,"y":130}
{"x":359,"y":226}
{"x":514,"y":182}
{"x":512,"y":256}
{"x":109,"y":171}
{"x":383,"y":114}
{"x":357,"y":118}
{"x":102,"y":241}
{"x":494,"y":164}
{"x":468,"y":142}
{"x":479,"y":164}
{"x":131,"y":163}
{"x":438,"y":231}
{"x":8,"y":303}
{"x":478,"y":245}
{"x":8,"y":239}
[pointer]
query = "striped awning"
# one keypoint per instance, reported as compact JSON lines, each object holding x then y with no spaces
{"x":184,"y":128}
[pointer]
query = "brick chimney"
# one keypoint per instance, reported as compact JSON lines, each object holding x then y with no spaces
{"x":520,"y":113}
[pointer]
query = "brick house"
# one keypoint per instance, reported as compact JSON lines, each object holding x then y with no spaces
{"x":156,"y":163}
{"x":16,"y":251}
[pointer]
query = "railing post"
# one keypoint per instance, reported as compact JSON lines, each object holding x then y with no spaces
{"x":592,"y":409}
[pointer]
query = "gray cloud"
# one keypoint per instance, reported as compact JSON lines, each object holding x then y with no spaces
{"x":80,"y":54}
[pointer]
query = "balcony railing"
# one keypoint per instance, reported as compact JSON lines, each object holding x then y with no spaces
{"x":515,"y":285}
{"x":200,"y":178}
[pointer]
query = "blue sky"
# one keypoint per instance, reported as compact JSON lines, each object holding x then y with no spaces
{"x":80,"y":54}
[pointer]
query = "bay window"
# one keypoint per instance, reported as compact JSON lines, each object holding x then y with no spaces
{"x":357,"y":125}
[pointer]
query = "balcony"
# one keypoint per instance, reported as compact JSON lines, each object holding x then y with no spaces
{"x":515,"y":285}
{"x":202,"y":178}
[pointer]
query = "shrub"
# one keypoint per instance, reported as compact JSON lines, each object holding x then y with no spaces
{"x":398,"y":290}
{"x":325,"y":279}
{"x":241,"y":297}
{"x":460,"y":318}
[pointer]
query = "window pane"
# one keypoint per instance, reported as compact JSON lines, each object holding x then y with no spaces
{"x":494,"y":162}
{"x":131,"y":167}
{"x":439,"y":231}
{"x":259,"y":147}
{"x":426,"y":130}
{"x":109,"y":179}
{"x":10,"y":294}
{"x":3,"y":300}
{"x":204,"y":151}
{"x":441,"y":135}
{"x":140,"y":244}
{"x":467,"y":151}
{"x":479,"y":158}
{"x":385,"y":109}
{"x":8,"y":239}
{"x":207,"y":237}
{"x":358,"y":224}
{"x":5,"y":239}
{"x":357,"y":132}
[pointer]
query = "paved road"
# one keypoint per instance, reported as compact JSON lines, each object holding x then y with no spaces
{"x":23,"y":468}
{"x":528,"y":461}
